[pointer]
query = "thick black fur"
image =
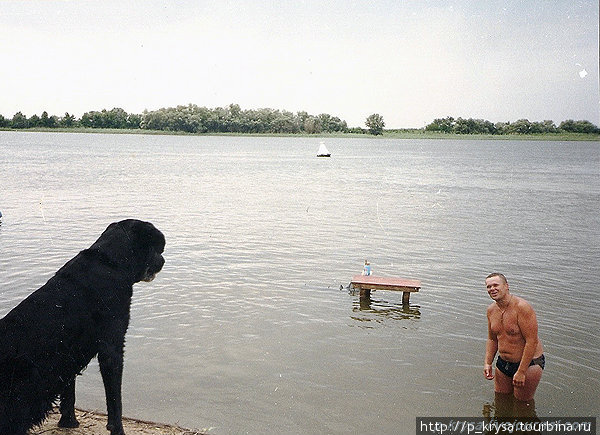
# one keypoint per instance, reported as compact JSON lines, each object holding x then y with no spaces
{"x":81,"y":312}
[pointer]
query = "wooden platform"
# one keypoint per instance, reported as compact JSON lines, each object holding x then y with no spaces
{"x":368,"y":283}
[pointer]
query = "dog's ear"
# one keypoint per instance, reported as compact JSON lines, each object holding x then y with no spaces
{"x":147,"y":236}
{"x":115,"y":242}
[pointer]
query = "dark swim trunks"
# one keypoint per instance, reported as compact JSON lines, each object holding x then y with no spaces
{"x":509,"y":368}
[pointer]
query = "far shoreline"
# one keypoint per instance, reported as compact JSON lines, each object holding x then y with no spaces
{"x":387,"y":134}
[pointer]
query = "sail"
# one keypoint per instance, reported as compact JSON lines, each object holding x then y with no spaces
{"x":322,"y":150}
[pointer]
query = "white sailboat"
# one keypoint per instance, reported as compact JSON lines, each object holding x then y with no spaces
{"x":323,"y":151}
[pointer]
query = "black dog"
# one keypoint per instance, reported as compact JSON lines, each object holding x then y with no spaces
{"x":81,"y":312}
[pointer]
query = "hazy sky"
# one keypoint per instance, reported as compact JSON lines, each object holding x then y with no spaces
{"x":409,"y":60}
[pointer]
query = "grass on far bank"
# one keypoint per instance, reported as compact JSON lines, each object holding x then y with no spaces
{"x":422,"y":134}
{"x":387,"y":134}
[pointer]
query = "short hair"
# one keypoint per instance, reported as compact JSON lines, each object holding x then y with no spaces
{"x":502,"y":277}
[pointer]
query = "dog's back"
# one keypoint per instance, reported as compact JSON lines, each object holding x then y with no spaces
{"x":45,"y":340}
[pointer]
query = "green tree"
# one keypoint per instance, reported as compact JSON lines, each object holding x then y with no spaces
{"x":115,"y":118}
{"x":375,"y":124}
{"x":548,"y":126}
{"x":445,"y":125}
{"x":19,"y":121}
{"x":52,"y":121}
{"x":332,"y":123}
{"x":67,"y":120}
{"x":464,"y":126}
{"x":92,"y":119}
{"x":34,"y":121}
{"x":521,"y":126}
{"x":232,"y":118}
{"x":45,"y":119}
{"x":502,"y":127}
{"x":134,"y":120}
{"x":312,"y":125}
{"x":578,"y":126}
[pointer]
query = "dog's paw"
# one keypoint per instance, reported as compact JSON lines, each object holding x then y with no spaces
{"x":115,"y":430}
{"x":68,"y":421}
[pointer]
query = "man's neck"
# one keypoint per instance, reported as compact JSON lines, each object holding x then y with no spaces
{"x":504,"y":302}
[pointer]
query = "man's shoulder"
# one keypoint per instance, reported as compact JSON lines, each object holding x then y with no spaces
{"x":520,"y":302}
{"x":491,"y":308}
{"x":523,"y":305}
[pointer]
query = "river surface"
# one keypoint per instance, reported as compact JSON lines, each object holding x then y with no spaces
{"x":246,"y":329}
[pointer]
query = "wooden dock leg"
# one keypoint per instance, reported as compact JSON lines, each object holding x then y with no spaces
{"x":365,"y":293}
{"x":405,"y":298}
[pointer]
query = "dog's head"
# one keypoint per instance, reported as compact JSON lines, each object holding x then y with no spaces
{"x":134,"y":244}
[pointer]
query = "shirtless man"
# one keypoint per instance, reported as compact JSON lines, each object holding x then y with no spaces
{"x":513,"y":333}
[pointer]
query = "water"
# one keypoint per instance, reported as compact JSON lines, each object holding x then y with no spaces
{"x":246,"y":329}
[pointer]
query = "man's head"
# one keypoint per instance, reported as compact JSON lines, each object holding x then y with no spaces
{"x":497,"y":286}
{"x":501,"y":276}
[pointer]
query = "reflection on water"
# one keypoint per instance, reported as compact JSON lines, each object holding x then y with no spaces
{"x":367,"y":309}
{"x":506,"y":406}
{"x":508,"y":409}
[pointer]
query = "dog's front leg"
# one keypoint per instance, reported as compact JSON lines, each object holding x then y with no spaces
{"x":67,"y":406}
{"x":110,"y":358}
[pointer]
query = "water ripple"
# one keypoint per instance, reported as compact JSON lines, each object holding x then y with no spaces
{"x":246,"y":329}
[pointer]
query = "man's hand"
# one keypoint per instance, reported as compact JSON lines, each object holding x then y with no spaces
{"x":519,"y":379}
{"x":487,"y":371}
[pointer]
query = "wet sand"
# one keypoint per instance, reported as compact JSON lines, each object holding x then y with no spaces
{"x":94,"y":423}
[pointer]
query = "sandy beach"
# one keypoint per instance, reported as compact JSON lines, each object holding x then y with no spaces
{"x":94,"y":423}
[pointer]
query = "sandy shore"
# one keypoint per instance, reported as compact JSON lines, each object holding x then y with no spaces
{"x":93,"y":423}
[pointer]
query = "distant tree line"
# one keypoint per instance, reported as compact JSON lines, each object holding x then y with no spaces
{"x":190,"y":119}
{"x":522,"y":126}
{"x":232,"y":119}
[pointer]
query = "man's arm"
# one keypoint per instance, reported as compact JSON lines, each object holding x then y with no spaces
{"x":529,"y":329}
{"x":491,"y":347}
